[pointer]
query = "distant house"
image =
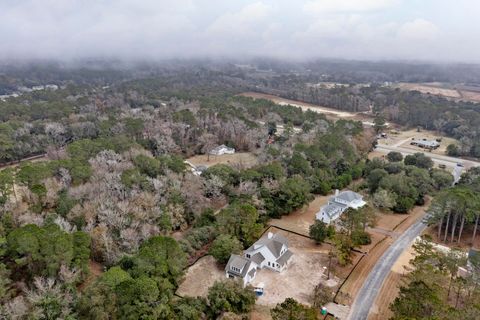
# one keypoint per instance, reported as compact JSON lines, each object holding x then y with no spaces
{"x":337,"y":205}
{"x":270,"y":251}
{"x":426,"y":144}
{"x":222,"y":149}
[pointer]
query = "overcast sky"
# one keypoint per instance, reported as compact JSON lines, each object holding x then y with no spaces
{"x":444,"y":30}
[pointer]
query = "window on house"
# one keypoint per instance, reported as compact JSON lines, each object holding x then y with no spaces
{"x":269,"y":263}
{"x":248,"y":256}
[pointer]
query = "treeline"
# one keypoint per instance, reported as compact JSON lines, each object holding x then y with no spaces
{"x":435,"y":288}
{"x":457,"y":210}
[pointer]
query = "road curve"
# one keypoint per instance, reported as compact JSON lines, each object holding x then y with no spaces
{"x":373,"y":283}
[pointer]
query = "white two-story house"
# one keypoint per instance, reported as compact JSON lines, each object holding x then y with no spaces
{"x":270,"y":251}
{"x":337,"y":205}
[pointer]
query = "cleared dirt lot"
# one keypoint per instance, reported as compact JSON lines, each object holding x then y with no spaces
{"x":301,"y":219}
{"x":241,"y":160}
{"x":304,"y":105}
{"x":404,"y":138}
{"x":431,"y":88}
{"x":201,"y":276}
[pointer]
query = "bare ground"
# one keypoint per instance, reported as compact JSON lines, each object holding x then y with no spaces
{"x":404,"y":137}
{"x":303,"y":105}
{"x":301,"y":219}
{"x":432,"y":88}
{"x":201,"y":276}
{"x":96,"y":270}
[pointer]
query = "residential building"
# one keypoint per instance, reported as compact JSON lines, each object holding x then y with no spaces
{"x":337,"y":205}
{"x":426,"y":144}
{"x":270,"y":251}
{"x":222,"y":149}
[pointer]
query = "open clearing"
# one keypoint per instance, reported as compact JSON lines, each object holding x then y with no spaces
{"x":201,"y":276}
{"x":301,"y":219}
{"x":457,"y":92}
{"x":405,"y":137}
{"x":303,"y":105}
{"x":431,"y":88}
{"x":240,"y":160}
{"x":303,"y":273}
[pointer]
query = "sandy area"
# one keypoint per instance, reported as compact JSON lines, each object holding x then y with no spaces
{"x":240,"y":160}
{"x":470,"y":95}
{"x":303,"y":273}
{"x":201,"y":276}
{"x":304,"y":105}
{"x":388,"y":221}
{"x":301,"y":219}
{"x":431,"y":88}
{"x":404,"y":138}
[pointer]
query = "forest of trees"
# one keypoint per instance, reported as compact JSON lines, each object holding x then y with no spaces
{"x":113,"y":188}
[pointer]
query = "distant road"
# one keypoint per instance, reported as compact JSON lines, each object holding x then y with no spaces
{"x":373,"y":283}
{"x":438,"y":158}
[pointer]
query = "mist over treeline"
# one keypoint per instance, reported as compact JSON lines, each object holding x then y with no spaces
{"x":15,"y":73}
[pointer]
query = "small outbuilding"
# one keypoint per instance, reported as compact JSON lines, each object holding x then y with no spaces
{"x":222,"y":149}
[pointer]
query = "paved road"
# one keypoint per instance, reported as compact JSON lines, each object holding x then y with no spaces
{"x":372,"y":285}
{"x":437,"y":158}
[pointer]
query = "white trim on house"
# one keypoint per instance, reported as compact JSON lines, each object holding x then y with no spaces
{"x":270,"y":251}
{"x":337,"y":205}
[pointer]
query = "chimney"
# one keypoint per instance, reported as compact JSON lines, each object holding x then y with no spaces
{"x":270,"y":235}
{"x":336,"y":192}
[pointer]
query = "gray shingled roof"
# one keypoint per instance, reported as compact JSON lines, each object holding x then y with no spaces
{"x":274,"y":244}
{"x":237,"y":262}
{"x":257,"y":258}
{"x":331,"y":208}
{"x":284,"y":258}
{"x":349,"y":196}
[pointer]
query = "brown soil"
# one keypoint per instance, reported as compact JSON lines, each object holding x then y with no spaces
{"x":388,"y":221}
{"x":201,"y":276}
{"x":301,"y":219}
